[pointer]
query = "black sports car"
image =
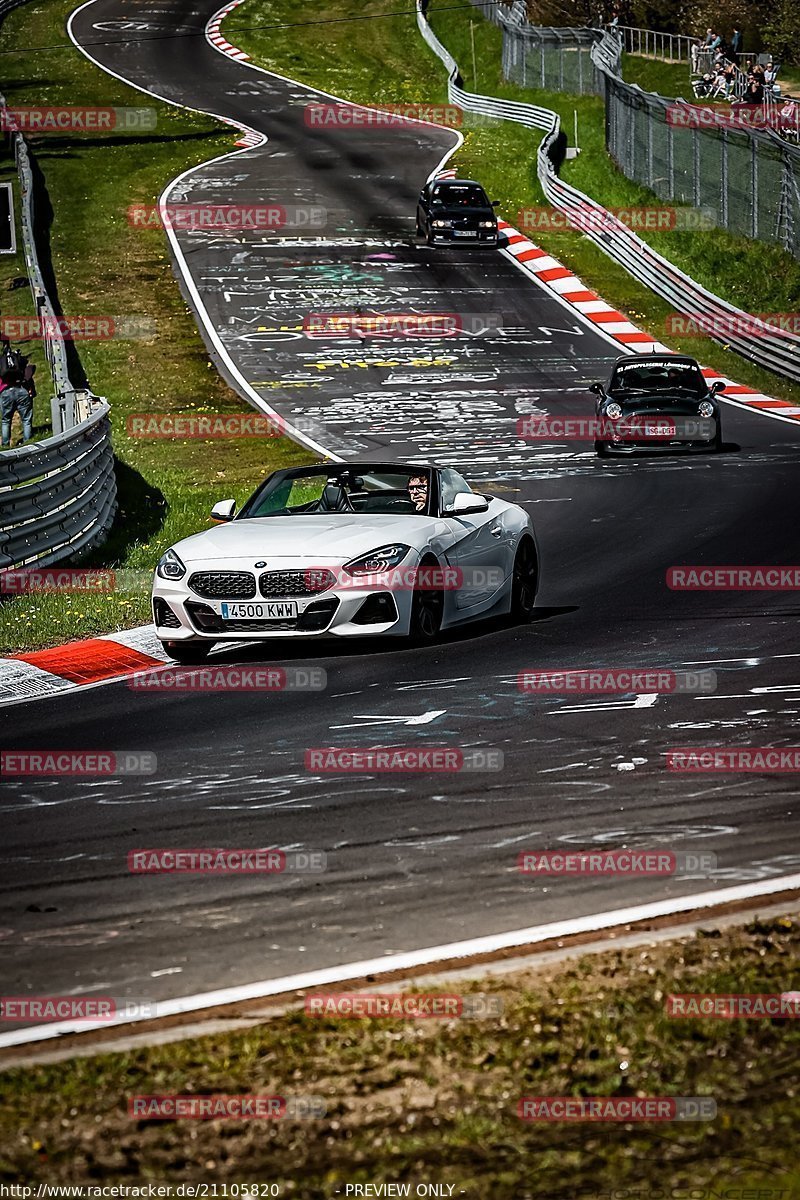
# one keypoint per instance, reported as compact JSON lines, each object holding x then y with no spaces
{"x":657,"y":402}
{"x":456,"y":210}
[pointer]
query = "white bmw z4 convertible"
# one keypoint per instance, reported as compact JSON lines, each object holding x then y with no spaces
{"x":347,"y":550}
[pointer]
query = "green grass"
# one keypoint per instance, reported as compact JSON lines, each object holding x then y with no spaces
{"x":435,"y":1101}
{"x":668,"y":79}
{"x":383,"y":59}
{"x":103,"y":266}
{"x":672,"y":79}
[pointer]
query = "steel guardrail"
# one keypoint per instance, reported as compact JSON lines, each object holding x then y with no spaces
{"x":777,"y":352}
{"x":58,"y":497}
{"x":63,"y":405}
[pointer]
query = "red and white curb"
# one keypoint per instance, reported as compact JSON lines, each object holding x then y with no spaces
{"x":42,"y":673}
{"x":250,"y":139}
{"x":573,"y":293}
{"x":214,"y":34}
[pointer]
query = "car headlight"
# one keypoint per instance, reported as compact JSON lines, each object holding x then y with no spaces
{"x":170,"y":566}
{"x":486,"y":224}
{"x":378,"y":560}
{"x":613,"y":411}
{"x":706,"y":409}
{"x":442,"y":224}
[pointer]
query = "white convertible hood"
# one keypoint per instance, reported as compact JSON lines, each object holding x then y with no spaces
{"x":319,"y":538}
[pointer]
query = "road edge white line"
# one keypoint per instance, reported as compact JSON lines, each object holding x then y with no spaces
{"x":200,"y":308}
{"x":430,"y":955}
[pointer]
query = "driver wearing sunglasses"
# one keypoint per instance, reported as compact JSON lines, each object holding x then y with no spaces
{"x":418,"y":491}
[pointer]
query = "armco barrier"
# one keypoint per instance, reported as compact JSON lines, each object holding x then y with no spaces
{"x":780,"y":353}
{"x":64,"y":408}
{"x":58,"y":497}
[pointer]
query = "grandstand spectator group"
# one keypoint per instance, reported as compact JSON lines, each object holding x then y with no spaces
{"x":719,"y":76}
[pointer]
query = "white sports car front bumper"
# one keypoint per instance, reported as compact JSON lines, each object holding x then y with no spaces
{"x":185,"y":609}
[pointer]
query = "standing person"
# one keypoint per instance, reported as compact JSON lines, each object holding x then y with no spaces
{"x":703,"y":53}
{"x":15,"y":398}
{"x":736,"y":45}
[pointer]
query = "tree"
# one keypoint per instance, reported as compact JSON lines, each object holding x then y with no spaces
{"x":780,"y":30}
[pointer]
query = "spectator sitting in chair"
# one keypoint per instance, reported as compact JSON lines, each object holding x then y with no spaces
{"x":790,"y":117}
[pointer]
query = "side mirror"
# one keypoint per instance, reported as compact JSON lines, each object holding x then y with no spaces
{"x":468,"y":502}
{"x":223,"y":510}
{"x":495,"y":204}
{"x":598,"y":389}
{"x":717,"y":386}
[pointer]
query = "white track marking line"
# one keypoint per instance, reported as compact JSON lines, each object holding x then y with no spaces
{"x":261,"y":404}
{"x":201,"y":310}
{"x":368,"y":719}
{"x":415,"y":958}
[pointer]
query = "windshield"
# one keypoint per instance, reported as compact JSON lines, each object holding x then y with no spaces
{"x":460,"y":196}
{"x":658,"y":376}
{"x":332,"y":492}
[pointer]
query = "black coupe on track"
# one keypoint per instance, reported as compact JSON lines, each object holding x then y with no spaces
{"x":657,"y":402}
{"x":456,"y":210}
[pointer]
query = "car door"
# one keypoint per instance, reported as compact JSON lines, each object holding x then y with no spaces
{"x":481,"y":547}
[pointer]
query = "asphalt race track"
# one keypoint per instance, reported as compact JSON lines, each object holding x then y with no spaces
{"x":412,"y":860}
